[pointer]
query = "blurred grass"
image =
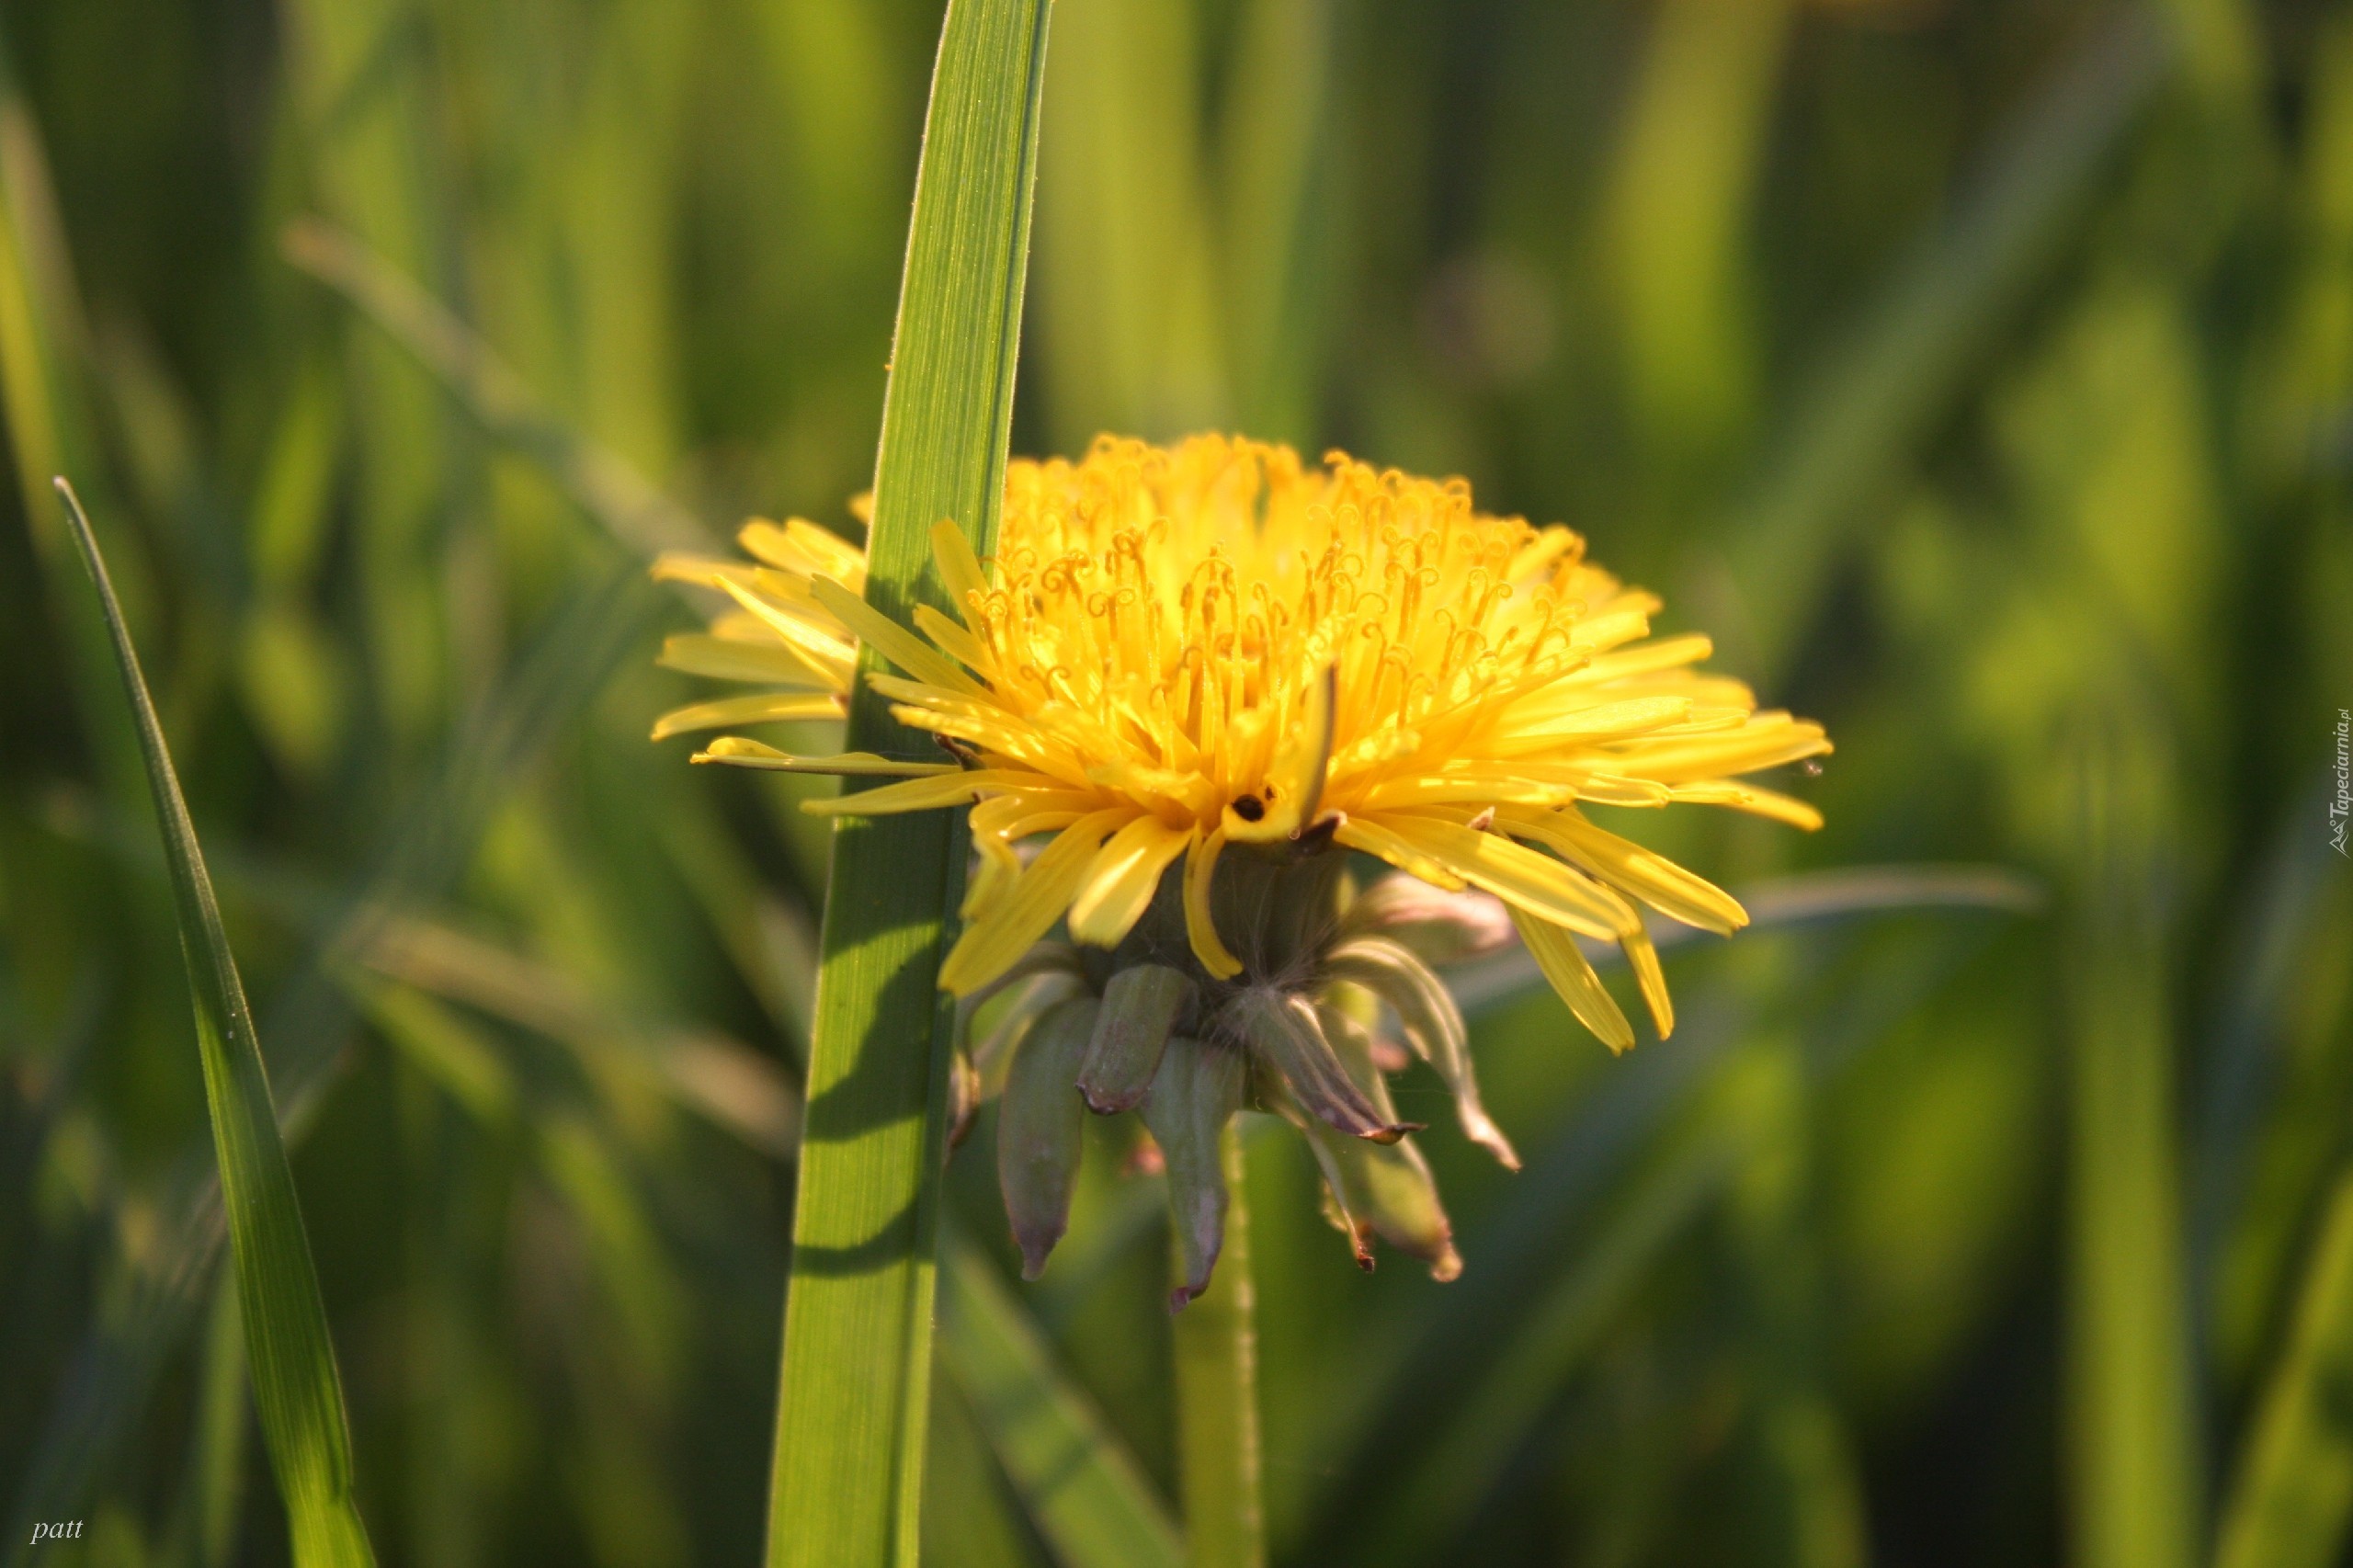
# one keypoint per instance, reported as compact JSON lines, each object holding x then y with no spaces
{"x":1965,"y":370}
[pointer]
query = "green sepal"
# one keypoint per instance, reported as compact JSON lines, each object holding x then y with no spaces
{"x":1040,"y":1130}
{"x":1142,"y":1004}
{"x":993,"y":1054}
{"x":1432,"y":1025}
{"x":1283,"y":1032}
{"x":1195,"y":1093}
{"x":1374,"y":1188}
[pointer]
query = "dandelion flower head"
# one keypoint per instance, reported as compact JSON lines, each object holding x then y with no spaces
{"x":1211,"y":649}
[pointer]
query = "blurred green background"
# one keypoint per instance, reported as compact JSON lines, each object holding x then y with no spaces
{"x":1981,"y":375}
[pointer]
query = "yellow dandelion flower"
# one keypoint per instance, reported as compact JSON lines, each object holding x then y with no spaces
{"x":1192,"y":671}
{"x":1189,"y":653}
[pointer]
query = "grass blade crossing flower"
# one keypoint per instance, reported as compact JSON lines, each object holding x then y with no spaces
{"x":855,"y":1385}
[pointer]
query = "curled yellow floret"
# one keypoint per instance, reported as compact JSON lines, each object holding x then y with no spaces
{"x":1179,"y":653}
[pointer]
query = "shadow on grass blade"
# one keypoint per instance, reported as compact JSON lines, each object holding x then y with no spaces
{"x":296,"y":1388}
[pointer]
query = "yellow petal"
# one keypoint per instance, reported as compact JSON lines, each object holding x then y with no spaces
{"x":1040,"y":819}
{"x":916,"y":795}
{"x":1119,"y":884}
{"x":801,"y":546}
{"x":1596,"y":632}
{"x":1516,"y":874}
{"x":959,"y":569}
{"x":1295,"y":778}
{"x":1647,"y":658}
{"x":1650,"y":877}
{"x":957,"y":643}
{"x":1643,"y":959}
{"x":1549,"y":545}
{"x":1373,"y":838}
{"x":1616,"y":789}
{"x":1768,"y":740}
{"x":952,"y":787}
{"x":1191,"y":794}
{"x":1499,"y":785}
{"x":1582,"y":722}
{"x":823,"y":648}
{"x":743,"y":753}
{"x":684,"y":566}
{"x":1201,"y":929}
{"x":1027,"y":908}
{"x":893,"y":642}
{"x":1556,"y":953}
{"x":770,"y":664}
{"x":764,"y":708}
{"x":996,"y":872}
{"x":1754,"y":799}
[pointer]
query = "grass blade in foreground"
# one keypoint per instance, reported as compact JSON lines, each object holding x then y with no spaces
{"x":296,"y":1388}
{"x":855,"y":1387}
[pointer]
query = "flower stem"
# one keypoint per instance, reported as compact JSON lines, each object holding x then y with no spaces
{"x":1217,"y":1395}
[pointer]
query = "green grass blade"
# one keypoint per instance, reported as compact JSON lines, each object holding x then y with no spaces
{"x":2133,"y":1469}
{"x":358,"y":105}
{"x":1217,"y":1393}
{"x":115,"y":1370}
{"x":296,"y":1388}
{"x":1084,"y":1493}
{"x":855,"y":1385}
{"x":2292,"y":1497}
{"x":1912,"y":355}
{"x":1677,"y":221}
